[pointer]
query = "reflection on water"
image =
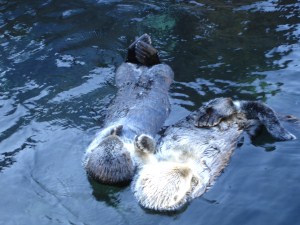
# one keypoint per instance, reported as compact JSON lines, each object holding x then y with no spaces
{"x":56,"y":79}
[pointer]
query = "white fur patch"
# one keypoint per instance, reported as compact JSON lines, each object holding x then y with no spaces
{"x":237,"y":105}
{"x":159,"y":186}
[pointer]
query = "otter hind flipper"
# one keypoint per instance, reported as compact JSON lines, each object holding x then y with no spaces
{"x":277,"y":130}
{"x":267,"y":117}
{"x":146,"y":54}
{"x":213,"y":112}
{"x":205,"y":118}
{"x":131,"y":54}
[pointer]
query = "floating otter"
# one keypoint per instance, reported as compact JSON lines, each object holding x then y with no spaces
{"x":140,"y":106}
{"x":194,"y":151}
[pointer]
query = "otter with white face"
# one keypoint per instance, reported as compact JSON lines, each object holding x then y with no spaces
{"x":194,"y":151}
{"x":140,"y":106}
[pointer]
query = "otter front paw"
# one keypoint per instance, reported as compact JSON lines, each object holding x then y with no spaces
{"x":144,"y":144}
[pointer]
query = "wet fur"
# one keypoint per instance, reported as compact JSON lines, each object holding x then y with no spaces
{"x":193,"y":152}
{"x":140,"y":107}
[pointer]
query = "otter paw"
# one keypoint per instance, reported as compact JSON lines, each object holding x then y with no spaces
{"x":146,"y":54}
{"x":144,"y":143}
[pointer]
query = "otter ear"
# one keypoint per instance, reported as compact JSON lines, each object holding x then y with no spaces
{"x":117,"y":130}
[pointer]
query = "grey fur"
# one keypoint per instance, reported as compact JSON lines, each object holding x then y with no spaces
{"x":194,"y":151}
{"x":140,"y":107}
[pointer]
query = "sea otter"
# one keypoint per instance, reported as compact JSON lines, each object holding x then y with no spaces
{"x":141,"y":106}
{"x":194,"y":151}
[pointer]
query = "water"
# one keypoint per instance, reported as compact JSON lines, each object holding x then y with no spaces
{"x":57,"y":77}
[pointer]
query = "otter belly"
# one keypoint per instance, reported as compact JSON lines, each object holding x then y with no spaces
{"x":188,"y":161}
{"x":141,"y":105}
{"x":142,"y":101}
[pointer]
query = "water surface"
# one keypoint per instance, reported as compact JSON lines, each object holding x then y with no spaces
{"x":57,"y":77}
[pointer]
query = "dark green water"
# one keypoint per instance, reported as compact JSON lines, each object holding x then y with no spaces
{"x":56,"y":79}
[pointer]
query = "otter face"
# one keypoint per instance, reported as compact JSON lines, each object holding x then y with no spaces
{"x":110,"y":162}
{"x":166,"y":186}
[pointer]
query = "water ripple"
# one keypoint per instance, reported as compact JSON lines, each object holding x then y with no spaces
{"x":56,"y":80}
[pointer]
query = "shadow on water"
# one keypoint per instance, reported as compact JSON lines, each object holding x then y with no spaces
{"x":57,"y":78}
{"x":106,"y":193}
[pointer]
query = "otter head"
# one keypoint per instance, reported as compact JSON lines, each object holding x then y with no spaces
{"x":110,"y":162}
{"x":166,"y":186}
